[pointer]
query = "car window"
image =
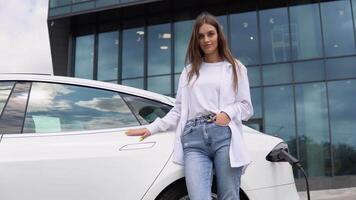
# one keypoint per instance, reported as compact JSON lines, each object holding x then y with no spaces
{"x":60,"y":108}
{"x":146,"y":110}
{"x":5,"y":89}
{"x":12,"y":116}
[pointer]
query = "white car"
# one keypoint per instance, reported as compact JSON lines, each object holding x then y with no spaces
{"x":64,"y":138}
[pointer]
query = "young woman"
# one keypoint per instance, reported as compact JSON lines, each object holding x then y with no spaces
{"x":213,"y":97}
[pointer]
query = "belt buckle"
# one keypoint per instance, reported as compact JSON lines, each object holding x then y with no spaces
{"x":210,"y":119}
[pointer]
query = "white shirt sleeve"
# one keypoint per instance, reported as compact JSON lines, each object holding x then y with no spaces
{"x":171,"y":119}
{"x":242,"y":108}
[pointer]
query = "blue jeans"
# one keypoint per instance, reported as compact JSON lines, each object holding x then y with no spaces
{"x":206,"y":145}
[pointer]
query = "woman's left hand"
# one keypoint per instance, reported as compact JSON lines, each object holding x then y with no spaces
{"x":222,"y":119}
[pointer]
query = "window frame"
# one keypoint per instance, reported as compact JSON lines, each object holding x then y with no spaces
{"x":24,"y":103}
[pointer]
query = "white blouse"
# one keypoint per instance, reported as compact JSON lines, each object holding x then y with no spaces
{"x":203,"y":95}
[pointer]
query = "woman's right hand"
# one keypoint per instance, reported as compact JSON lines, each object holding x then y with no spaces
{"x":143,"y":132}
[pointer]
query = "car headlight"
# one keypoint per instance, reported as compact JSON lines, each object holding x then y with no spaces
{"x":273,"y":155}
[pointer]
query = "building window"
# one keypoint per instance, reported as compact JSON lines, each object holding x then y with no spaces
{"x":84,"y":56}
{"x":80,"y":5}
{"x":342,"y":110}
{"x":80,"y":1}
{"x":305,"y":32}
{"x":159,"y":84}
{"x":102,"y":3}
{"x":108,"y":56}
{"x":132,"y":52}
{"x":277,"y":74}
{"x":244,"y":37}
{"x":279,"y":114}
{"x":340,"y":68}
{"x":354,"y":11}
{"x":256,"y":102}
{"x":136,"y":83}
{"x":275,"y":35}
{"x":182,"y":33}
{"x":57,"y":3}
{"x":337,"y":28}
{"x":223,"y":22}
{"x":313,"y":128}
{"x":159,"y":49}
{"x":254,"y":76}
{"x":309,"y":71}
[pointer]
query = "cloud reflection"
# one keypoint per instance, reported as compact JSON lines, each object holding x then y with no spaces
{"x":43,"y":97}
{"x":105,"y":104}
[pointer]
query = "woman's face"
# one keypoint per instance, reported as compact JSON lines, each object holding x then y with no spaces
{"x":208,"y":39}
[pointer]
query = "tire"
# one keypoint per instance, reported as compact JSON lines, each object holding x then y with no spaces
{"x":178,"y":191}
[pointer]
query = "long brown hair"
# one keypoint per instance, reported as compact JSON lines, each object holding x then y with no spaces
{"x":195,"y":54}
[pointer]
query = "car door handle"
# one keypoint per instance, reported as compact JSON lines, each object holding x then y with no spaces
{"x":136,"y":146}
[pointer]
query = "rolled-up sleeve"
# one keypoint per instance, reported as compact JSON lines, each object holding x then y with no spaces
{"x":171,"y":119}
{"x":241,"y":108}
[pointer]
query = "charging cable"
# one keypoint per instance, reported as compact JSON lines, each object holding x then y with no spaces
{"x":283,"y":154}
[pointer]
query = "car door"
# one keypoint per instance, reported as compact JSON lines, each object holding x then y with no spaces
{"x":72,"y":145}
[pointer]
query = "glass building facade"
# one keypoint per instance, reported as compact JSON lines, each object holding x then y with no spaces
{"x":72,"y":7}
{"x":301,"y":61}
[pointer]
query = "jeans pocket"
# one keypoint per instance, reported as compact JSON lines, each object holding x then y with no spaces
{"x":186,"y":130}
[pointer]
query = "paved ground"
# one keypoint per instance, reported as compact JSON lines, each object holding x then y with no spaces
{"x":336,"y":194}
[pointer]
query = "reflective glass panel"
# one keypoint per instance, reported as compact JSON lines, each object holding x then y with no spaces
{"x":309,"y":71}
{"x":159,"y":84}
{"x":342,"y":109}
{"x":159,"y":49}
{"x":313,"y":128}
{"x":100,"y":3}
{"x":132,"y":52}
{"x":337,"y":28}
{"x":354,"y":11}
{"x":108,"y":56}
{"x":340,"y":68}
{"x":274,"y":30}
{"x":136,"y":83}
{"x":83,"y":6}
{"x":12,"y":118}
{"x":277,"y":74}
{"x":223,"y":22}
{"x":61,"y":108}
{"x":305,"y":31}
{"x":84,"y":56}
{"x":244,"y":37}
{"x":256,"y":102}
{"x":254,"y":76}
{"x":59,"y":10}
{"x":79,"y":1}
{"x":279,"y":114}
{"x":56,"y":3}
{"x":182,"y":33}
{"x":146,"y":110}
{"x":5,"y":89}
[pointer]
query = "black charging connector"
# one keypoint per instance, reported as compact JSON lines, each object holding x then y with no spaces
{"x":284,"y":155}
